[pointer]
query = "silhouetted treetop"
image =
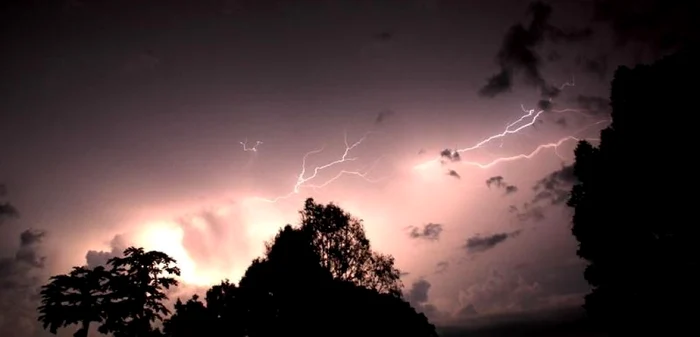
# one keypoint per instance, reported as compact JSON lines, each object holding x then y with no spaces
{"x":78,"y":297}
{"x":123,"y":300}
{"x":340,"y":241}
{"x":630,"y":219}
{"x":298,"y":288}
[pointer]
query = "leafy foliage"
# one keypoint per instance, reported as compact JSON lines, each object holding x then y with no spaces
{"x":629,"y":225}
{"x":319,"y":279}
{"x":123,"y":300}
{"x":137,"y":291}
{"x":76,"y":298}
{"x":339,"y":239}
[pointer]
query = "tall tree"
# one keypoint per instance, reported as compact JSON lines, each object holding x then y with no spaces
{"x":291,"y":290}
{"x":78,"y":297}
{"x":340,"y":241}
{"x":137,"y":286}
{"x":630,"y":219}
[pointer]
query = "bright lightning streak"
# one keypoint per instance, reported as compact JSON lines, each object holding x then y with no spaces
{"x":303,"y":180}
{"x":527,"y":120}
{"x":250,"y":149}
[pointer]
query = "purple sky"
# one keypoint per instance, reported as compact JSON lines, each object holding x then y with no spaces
{"x":125,"y":120}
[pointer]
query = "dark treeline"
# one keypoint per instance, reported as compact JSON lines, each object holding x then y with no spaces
{"x":633,"y":220}
{"x":318,"y":279}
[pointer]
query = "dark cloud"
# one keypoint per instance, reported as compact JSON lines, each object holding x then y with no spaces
{"x":467,"y":311}
{"x":518,"y":53}
{"x":478,"y":243}
{"x":454,"y":173}
{"x":659,"y":25}
{"x":545,"y":104}
{"x":555,"y":187}
{"x":141,"y":62}
{"x":450,"y":155}
{"x":441,"y":267}
{"x":593,"y":104}
{"x":553,"y":56}
{"x":597,"y":65}
{"x":382,"y":116}
{"x":6,"y":208}
{"x":384,"y":36}
{"x":497,"y":181}
{"x":430,"y":231}
{"x":417,"y":295}
{"x":20,"y":277}
{"x":117,"y":246}
{"x":531,"y":213}
{"x":561,"y":121}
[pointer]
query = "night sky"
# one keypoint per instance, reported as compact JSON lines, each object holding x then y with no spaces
{"x":183,"y":126}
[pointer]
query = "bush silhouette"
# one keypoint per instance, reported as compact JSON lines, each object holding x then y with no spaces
{"x":630,"y":223}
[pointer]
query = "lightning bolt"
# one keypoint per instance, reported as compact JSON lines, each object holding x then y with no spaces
{"x":528,"y":119}
{"x":250,"y":149}
{"x":306,"y":175}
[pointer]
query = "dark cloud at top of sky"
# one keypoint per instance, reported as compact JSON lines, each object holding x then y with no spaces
{"x":661,"y":25}
{"x":478,"y":243}
{"x":430,"y":231}
{"x":518,"y":53}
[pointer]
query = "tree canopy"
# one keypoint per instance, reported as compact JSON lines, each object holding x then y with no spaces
{"x":317,"y":279}
{"x":124,"y":300}
{"x":631,"y":223}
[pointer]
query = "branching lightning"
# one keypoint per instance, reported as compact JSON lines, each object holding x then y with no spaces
{"x":308,"y":178}
{"x":304,"y":179}
{"x":525,"y":121}
{"x":250,"y":149}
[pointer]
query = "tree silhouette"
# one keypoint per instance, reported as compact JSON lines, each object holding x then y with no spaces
{"x":294,"y":290}
{"x":75,"y":298}
{"x":137,"y":292}
{"x":630,"y":223}
{"x":124,"y":300}
{"x":339,"y":239}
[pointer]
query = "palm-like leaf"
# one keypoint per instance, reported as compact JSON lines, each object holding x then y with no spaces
{"x":75,"y":298}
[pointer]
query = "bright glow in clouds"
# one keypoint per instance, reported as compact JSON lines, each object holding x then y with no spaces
{"x":225,"y":250}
